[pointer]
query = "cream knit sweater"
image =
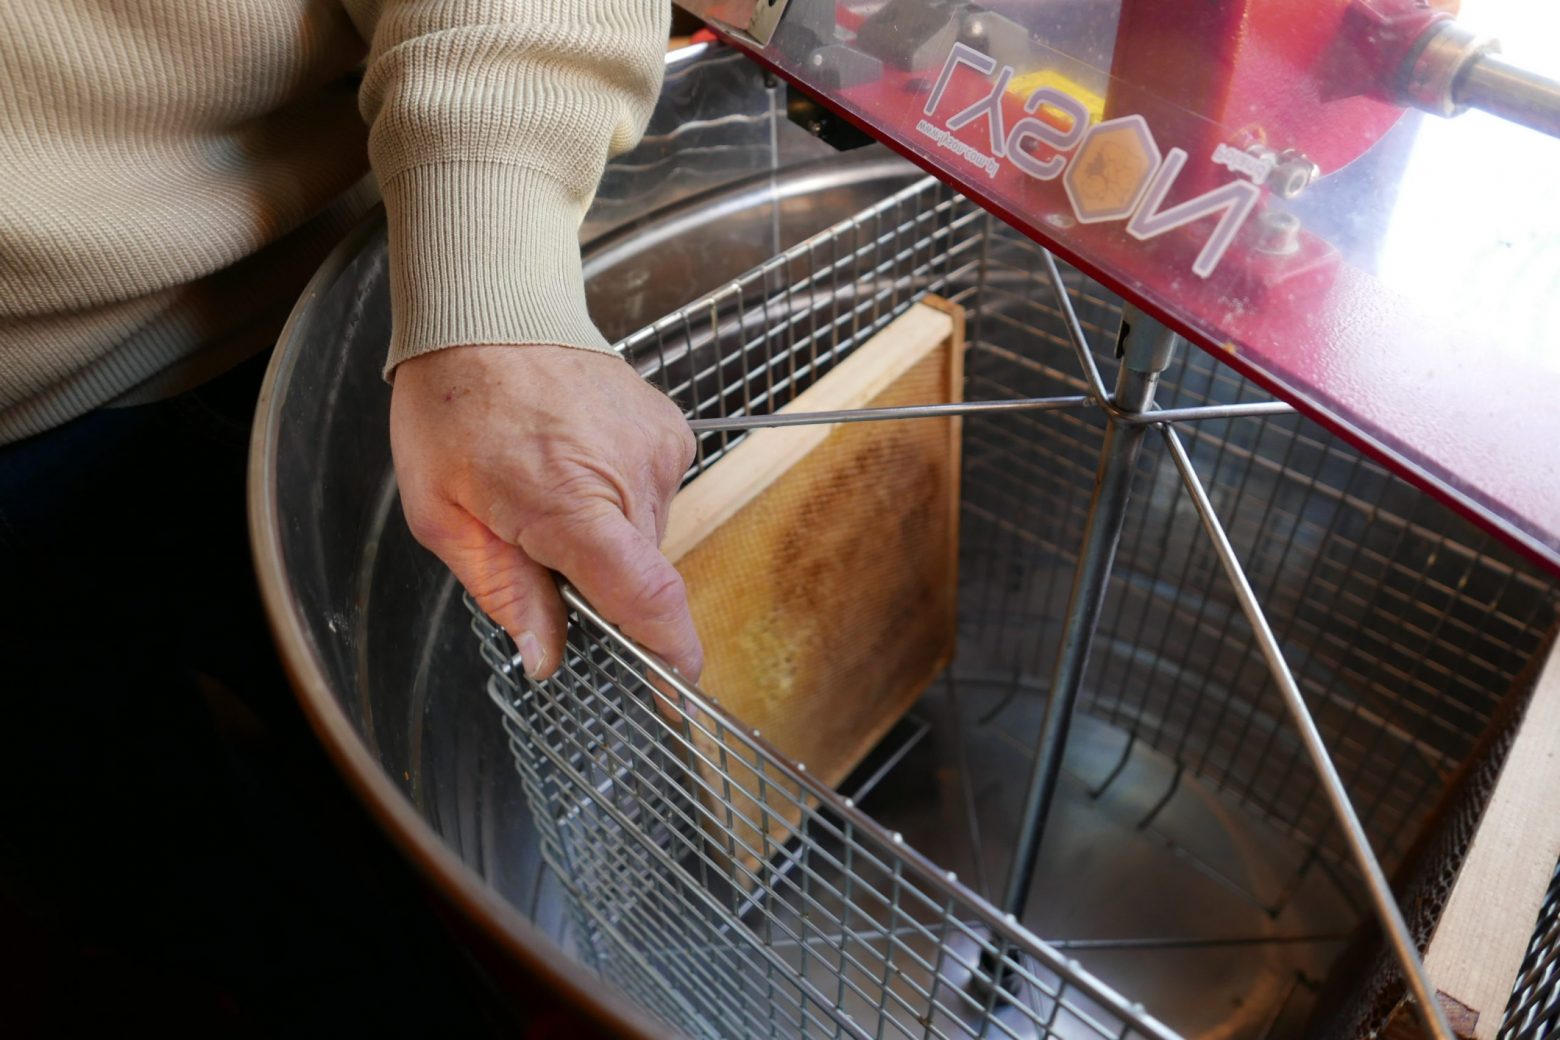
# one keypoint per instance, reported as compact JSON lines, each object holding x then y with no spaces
{"x":171,"y":171}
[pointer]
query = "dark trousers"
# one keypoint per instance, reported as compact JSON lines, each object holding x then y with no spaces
{"x":175,"y":851}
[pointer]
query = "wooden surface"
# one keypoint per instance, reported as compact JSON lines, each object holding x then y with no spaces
{"x":821,"y":564}
{"x":1477,"y":948}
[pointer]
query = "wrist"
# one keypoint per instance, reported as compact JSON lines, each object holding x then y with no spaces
{"x":484,"y":253}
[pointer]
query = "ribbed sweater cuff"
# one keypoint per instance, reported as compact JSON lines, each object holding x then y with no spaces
{"x":483,"y":252}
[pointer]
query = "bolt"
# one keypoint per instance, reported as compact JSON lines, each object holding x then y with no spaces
{"x":1289,"y":172}
{"x":1278,"y":233}
{"x":1293,"y":173}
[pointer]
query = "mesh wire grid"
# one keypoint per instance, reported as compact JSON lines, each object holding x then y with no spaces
{"x":1405,"y":624}
{"x":1534,"y":1010}
{"x":839,"y":931}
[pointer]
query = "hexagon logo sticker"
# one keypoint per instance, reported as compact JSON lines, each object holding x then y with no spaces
{"x":1111,"y":169}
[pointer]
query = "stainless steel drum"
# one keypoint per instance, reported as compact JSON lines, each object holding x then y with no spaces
{"x":1192,"y":864}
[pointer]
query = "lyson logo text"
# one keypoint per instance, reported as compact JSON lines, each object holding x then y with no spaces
{"x":1115,"y":173}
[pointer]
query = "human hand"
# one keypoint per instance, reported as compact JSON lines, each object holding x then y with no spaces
{"x":516,"y":460}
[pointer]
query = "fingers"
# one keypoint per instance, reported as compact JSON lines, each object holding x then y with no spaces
{"x":514,"y":590}
{"x":567,"y":453}
{"x":619,"y":569}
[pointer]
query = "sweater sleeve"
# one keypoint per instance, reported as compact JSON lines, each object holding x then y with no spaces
{"x":490,"y":124}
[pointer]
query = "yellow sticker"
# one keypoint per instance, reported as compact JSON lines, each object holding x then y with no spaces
{"x":1023,"y":86}
{"x":1107,"y":176}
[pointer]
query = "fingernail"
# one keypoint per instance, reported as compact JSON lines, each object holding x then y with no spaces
{"x":530,"y":654}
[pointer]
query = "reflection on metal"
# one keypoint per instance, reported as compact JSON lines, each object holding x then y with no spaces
{"x":1076,"y":338}
{"x":1197,"y":413}
{"x":1020,"y":404}
{"x":1293,"y":174}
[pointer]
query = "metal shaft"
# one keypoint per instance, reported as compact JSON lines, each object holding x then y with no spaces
{"x":905,"y":411}
{"x":1451,"y":69}
{"x":1501,"y":88}
{"x":1146,"y":347}
{"x":1195,"y":413}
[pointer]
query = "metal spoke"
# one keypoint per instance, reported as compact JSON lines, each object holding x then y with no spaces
{"x":1198,"y":413}
{"x":1017,"y":404}
{"x":1075,"y":334}
{"x":910,"y":411}
{"x":1390,"y":915}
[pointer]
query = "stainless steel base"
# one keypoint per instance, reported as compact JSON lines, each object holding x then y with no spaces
{"x":1158,"y":885}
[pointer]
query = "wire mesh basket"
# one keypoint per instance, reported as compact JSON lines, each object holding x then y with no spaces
{"x":1407,"y":627}
{"x":844,"y":931}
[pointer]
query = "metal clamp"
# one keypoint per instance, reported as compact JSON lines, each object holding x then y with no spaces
{"x":766,"y":17}
{"x":1450,"y":70}
{"x":1435,"y":63}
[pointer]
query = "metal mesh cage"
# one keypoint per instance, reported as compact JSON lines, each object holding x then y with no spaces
{"x":843,"y":931}
{"x":1406,"y":626}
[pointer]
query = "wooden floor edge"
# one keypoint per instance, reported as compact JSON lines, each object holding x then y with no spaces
{"x":1478,"y":945}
